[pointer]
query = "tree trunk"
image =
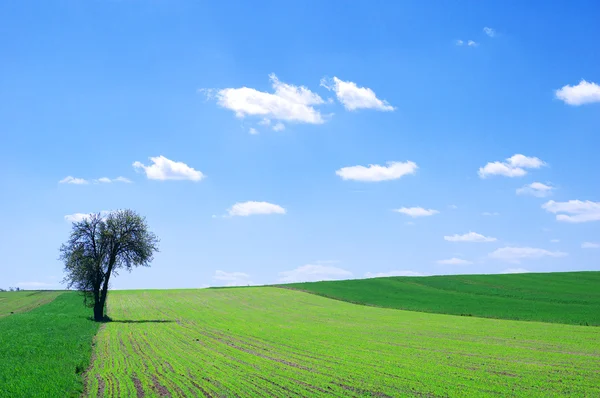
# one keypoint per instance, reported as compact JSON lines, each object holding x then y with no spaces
{"x":98,"y":311}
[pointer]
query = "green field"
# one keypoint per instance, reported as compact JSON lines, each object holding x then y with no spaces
{"x":44,"y":352}
{"x":22,"y":301}
{"x":280,"y":342}
{"x":567,"y":297}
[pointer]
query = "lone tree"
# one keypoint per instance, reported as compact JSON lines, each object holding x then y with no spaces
{"x":99,"y":246}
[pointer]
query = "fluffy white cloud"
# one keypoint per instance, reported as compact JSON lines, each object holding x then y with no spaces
{"x":513,"y":167}
{"x":471,"y":43}
{"x":536,"y":189}
{"x":590,"y":245}
{"x":73,"y":180}
{"x":354,"y":97}
{"x":77,"y":217}
{"x":253,"y":131}
{"x":489,"y":31}
{"x":416,"y":211}
{"x":583,"y":93}
{"x":490,"y":214}
{"x":251,"y":208}
{"x":454,"y":261}
{"x":232,"y":278}
{"x":279,"y":127}
{"x":375,"y":172}
{"x":287,"y":102}
{"x":313,"y":273}
{"x":392,"y":273}
{"x":576,"y":210}
{"x":166,"y":169}
{"x":516,"y":254}
{"x":515,"y":271}
{"x":469,"y":237}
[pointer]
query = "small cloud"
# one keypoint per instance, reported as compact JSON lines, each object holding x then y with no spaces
{"x":253,"y":131}
{"x":590,"y":245}
{"x":536,"y":189}
{"x":393,"y":273}
{"x":288,"y":102}
{"x":471,"y":43}
{"x":516,"y":254}
{"x":554,"y":240}
{"x":313,"y":273}
{"x":489,"y":31}
{"x":279,"y":127}
{"x":77,"y":217}
{"x":459,"y":42}
{"x":73,"y":180}
{"x":106,"y":180}
{"x":253,"y":208}
{"x":515,"y":271}
{"x":354,"y":97}
{"x":410,"y":223}
{"x":377,"y":173}
{"x":165,"y":169}
{"x":490,"y":214}
{"x":453,"y":207}
{"x":513,"y":167}
{"x":574,"y":211}
{"x":265,"y":122}
{"x":469,"y":237}
{"x":233,"y":278}
{"x":454,"y":261}
{"x":416,"y":211}
{"x":583,"y":93}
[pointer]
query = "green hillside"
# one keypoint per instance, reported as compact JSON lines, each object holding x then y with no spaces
{"x":24,"y":300}
{"x":567,"y":297}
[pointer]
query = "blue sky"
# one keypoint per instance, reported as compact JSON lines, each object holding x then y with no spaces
{"x":285,"y":141}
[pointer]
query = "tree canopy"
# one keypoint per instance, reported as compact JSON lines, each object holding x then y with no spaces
{"x":101,"y":245}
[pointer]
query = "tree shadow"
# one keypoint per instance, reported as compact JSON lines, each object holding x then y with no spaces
{"x":108,"y":319}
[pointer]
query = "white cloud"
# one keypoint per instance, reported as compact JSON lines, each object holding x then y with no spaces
{"x":459,"y":42}
{"x":470,"y":237}
{"x":73,"y":180}
{"x":490,"y":214}
{"x":555,"y":240}
{"x":583,"y":93}
{"x":279,"y":127}
{"x":253,"y":131}
{"x":313,"y":273}
{"x":489,"y":31}
{"x":515,"y":271}
{"x":516,"y":254}
{"x":590,"y":245}
{"x":375,"y":172}
{"x":251,"y":208}
{"x":288,"y":102}
{"x":513,"y":167}
{"x":536,"y":189}
{"x":471,"y":43}
{"x":265,"y":122}
{"x":166,"y":169}
{"x":233,"y":278}
{"x":106,"y":180}
{"x":77,"y":217}
{"x":576,"y":210}
{"x":453,"y":207}
{"x":416,"y":211}
{"x":454,"y":261}
{"x":392,"y":273}
{"x":354,"y":97}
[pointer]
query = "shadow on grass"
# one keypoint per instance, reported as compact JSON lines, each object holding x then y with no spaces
{"x":108,"y":319}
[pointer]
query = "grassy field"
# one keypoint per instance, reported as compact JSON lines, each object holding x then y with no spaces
{"x":280,"y":342}
{"x":15,"y":302}
{"x":44,"y":351}
{"x":569,"y":297}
